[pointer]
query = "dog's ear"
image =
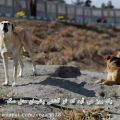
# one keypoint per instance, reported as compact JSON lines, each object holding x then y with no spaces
{"x":108,"y":57}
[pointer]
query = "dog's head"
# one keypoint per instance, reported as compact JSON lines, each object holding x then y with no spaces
{"x":113,"y":60}
{"x":6,"y":26}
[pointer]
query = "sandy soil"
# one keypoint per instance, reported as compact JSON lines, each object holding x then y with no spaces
{"x":50,"y":85}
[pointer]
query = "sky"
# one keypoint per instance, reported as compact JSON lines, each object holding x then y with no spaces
{"x":97,"y":3}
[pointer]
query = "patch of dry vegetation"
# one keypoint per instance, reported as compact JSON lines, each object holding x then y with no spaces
{"x":56,"y":43}
{"x":85,"y":114}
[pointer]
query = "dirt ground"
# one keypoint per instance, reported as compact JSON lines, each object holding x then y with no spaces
{"x":48,"y":85}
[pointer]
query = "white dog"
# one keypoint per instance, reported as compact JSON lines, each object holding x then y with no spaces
{"x":12,"y":41}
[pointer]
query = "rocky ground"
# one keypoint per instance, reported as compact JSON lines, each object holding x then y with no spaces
{"x":57,"y":82}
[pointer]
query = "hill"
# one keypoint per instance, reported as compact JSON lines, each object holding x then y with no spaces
{"x":82,"y":46}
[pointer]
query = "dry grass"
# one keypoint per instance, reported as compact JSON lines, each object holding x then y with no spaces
{"x":85,"y":114}
{"x":64,"y":44}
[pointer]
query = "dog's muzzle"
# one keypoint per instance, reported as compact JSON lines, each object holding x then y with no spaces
{"x":5,"y":27}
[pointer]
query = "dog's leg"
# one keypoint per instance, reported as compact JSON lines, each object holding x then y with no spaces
{"x":100,"y":81}
{"x":110,"y":82}
{"x":109,"y":76}
{"x":15,"y":70}
{"x":34,"y":69}
{"x":33,"y":63}
{"x":30,"y":51}
{"x":28,"y":48}
{"x":21,"y":68}
{"x":5,"y":64}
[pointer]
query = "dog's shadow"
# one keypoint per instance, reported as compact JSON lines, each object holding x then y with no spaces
{"x":65,"y":84}
{"x":60,"y":78}
{"x":69,"y":85}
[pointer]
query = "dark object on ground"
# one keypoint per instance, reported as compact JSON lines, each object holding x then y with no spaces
{"x":67,"y":72}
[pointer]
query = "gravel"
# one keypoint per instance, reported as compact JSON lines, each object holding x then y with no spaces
{"x":48,"y":87}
